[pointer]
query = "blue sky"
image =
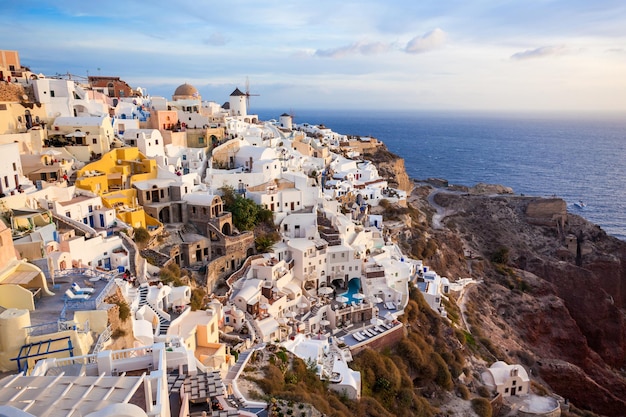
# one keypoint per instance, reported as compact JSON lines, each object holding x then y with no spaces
{"x":541,"y":55}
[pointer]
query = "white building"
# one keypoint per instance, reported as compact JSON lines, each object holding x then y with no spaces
{"x":87,"y":135}
{"x":149,"y":141}
{"x":10,"y":169}
{"x":507,"y":379}
{"x":65,"y":98}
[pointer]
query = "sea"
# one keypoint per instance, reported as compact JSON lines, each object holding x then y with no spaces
{"x":574,"y":157}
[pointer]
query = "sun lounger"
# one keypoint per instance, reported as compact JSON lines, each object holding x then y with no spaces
{"x":73,"y":296}
{"x":81,"y":290}
{"x":378,"y":329}
{"x":357,"y":336}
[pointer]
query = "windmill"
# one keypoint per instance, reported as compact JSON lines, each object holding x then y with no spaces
{"x":248,"y":93}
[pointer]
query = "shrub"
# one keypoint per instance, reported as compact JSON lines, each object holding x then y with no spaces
{"x":501,"y":256}
{"x":142,"y":235}
{"x":197,"y":299}
{"x":117,"y":333}
{"x":482,"y":407}
{"x":463,"y":392}
{"x":483,"y":391}
{"x":124,"y":310}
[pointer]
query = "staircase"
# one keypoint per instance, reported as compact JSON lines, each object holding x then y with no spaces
{"x":164,"y":323}
{"x":314,"y":310}
{"x":133,"y":259}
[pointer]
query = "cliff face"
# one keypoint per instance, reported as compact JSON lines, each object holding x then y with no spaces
{"x":391,"y":167}
{"x":556,"y":299}
{"x":564,"y":309}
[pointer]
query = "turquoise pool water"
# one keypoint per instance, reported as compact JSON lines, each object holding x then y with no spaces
{"x":354,"y":285}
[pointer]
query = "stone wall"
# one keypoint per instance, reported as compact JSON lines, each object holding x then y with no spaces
{"x":389,"y":339}
{"x":547,"y":212}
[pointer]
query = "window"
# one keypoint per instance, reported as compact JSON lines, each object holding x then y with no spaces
{"x":193,"y":210}
{"x":68,"y":214}
{"x":514,"y":382}
{"x":90,"y":208}
{"x":506,"y":390}
{"x":51,"y":93}
{"x":94,"y":141}
{"x":200,"y":139}
{"x":156,"y":142}
{"x":162,"y":193}
{"x":147,"y":195}
{"x":14,"y":166}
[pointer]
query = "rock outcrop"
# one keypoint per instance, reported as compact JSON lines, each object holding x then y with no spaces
{"x":568,"y":314}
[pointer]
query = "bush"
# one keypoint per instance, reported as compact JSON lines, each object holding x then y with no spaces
{"x":142,"y":236}
{"x":483,"y":391}
{"x":463,"y":392}
{"x":482,"y":407}
{"x":117,"y":333}
{"x":501,"y":256}
{"x":124,"y":310}
{"x":197,"y":299}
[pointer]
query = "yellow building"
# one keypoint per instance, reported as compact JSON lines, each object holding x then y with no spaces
{"x":112,"y":178}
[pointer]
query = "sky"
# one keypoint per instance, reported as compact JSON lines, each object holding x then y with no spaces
{"x":469,"y":55}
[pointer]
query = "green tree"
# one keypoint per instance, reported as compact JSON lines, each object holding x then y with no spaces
{"x":245,"y":213}
{"x":228,"y":196}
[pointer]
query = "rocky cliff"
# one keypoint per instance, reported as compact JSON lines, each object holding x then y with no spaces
{"x":552,"y":294}
{"x":541,"y":297}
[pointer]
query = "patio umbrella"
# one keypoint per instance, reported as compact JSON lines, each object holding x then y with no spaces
{"x":302,"y":305}
{"x":377,"y":300}
{"x":358,"y":296}
{"x":290,"y":314}
{"x":51,"y":152}
{"x":324,"y":323}
{"x":76,"y":134}
{"x":341,"y":299}
{"x":325,"y":290}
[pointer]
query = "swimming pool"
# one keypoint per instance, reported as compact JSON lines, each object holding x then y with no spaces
{"x":354,"y":285}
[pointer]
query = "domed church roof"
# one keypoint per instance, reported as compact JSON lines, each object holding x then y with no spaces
{"x":186,"y":91}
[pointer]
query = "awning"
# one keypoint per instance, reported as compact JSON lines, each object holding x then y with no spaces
{"x":21,"y":277}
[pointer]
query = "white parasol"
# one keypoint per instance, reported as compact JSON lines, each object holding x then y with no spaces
{"x":341,"y":299}
{"x":325,"y":290}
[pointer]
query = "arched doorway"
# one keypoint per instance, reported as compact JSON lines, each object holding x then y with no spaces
{"x":226,"y":229}
{"x":164,"y":215}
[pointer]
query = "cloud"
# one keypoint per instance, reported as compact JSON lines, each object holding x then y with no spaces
{"x":363,"y":48}
{"x":542,"y":52}
{"x":434,"y":39}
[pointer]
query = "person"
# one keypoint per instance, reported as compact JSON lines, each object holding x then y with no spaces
{"x":65,"y":177}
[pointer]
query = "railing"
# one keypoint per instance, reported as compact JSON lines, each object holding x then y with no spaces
{"x":90,"y":303}
{"x":56,"y":326}
{"x":41,"y":329}
{"x":102,"y":339}
{"x":84,"y":272}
